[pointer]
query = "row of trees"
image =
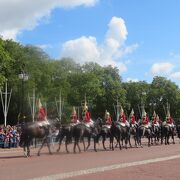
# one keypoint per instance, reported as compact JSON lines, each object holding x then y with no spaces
{"x":102,"y":86}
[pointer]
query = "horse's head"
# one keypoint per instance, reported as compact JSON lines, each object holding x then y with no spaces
{"x":99,"y":121}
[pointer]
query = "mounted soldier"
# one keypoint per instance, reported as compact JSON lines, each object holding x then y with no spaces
{"x":145,"y":121}
{"x":132,"y":119}
{"x":42,"y":116}
{"x":122,"y":118}
{"x":74,"y":117}
{"x":87,"y":116}
{"x":155,"y":120}
{"x":169,"y":120}
{"x":108,"y":119}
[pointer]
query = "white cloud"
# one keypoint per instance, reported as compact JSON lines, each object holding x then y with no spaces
{"x":17,"y":15}
{"x":83,"y":49}
{"x":175,"y":75}
{"x":116,"y":34}
{"x":110,"y":52}
{"x":122,"y":67}
{"x":163,"y":68}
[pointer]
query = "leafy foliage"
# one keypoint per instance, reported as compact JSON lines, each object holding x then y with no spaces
{"x":102,"y":86}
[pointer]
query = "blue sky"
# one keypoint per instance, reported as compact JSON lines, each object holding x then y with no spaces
{"x":141,"y":38}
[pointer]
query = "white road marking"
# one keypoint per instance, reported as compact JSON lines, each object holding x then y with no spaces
{"x":103,"y":168}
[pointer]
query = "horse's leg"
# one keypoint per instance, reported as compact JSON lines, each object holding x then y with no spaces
{"x":60,"y":141}
{"x":119,"y":142}
{"x":111,"y":143}
{"x":48,"y":145}
{"x":79,"y":146}
{"x":103,"y":142}
{"x":74,"y":149}
{"x":25,"y":153}
{"x":162,"y":137}
{"x":173,"y":136}
{"x":149,"y":140}
{"x":122,"y":142}
{"x":135,"y":141}
{"x":89,"y":140}
{"x":173,"y":139}
{"x":126,"y":141}
{"x":66,"y":143}
{"x":44,"y":140}
{"x":129,"y":139}
{"x":28,"y":149}
{"x":95,"y":140}
{"x":139,"y":138}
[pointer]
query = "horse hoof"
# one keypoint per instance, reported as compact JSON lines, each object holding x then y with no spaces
{"x":38,"y":154}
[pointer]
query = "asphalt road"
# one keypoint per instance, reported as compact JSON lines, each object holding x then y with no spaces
{"x":155,"y":162}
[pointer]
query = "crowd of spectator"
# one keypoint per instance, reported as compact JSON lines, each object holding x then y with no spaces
{"x":9,"y":137}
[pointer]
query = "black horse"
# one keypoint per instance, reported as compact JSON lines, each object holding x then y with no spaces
{"x":134,"y":133}
{"x":115,"y":133}
{"x":105,"y":132}
{"x":156,"y":133}
{"x":65,"y":131}
{"x":81,"y":130}
{"x":33,"y":130}
{"x":144,"y":132}
{"x":178,"y":130}
{"x":167,"y":131}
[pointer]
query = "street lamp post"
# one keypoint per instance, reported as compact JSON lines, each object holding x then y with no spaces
{"x":23,"y":77}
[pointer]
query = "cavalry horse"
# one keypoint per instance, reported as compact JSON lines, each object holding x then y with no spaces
{"x":166,"y":132}
{"x":120,"y":133}
{"x":104,"y":133}
{"x":156,"y":133}
{"x":178,"y":130}
{"x":134,"y":133}
{"x":144,"y":131}
{"x":32,"y":130}
{"x":81,"y":130}
{"x":65,"y":131}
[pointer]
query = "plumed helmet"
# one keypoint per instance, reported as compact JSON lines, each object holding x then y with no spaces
{"x":154,"y":114}
{"x":168,"y":113}
{"x":107,"y":113}
{"x":74,"y":110}
{"x":132,"y":112}
{"x":157,"y":117}
{"x":121,"y":111}
{"x":85,"y":108}
{"x":143,"y":112}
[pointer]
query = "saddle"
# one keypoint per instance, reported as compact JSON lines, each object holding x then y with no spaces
{"x":122,"y":124}
{"x":107,"y":126}
{"x":89,"y":124}
{"x":145,"y":126}
{"x":74,"y":124}
{"x":42,"y":124}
